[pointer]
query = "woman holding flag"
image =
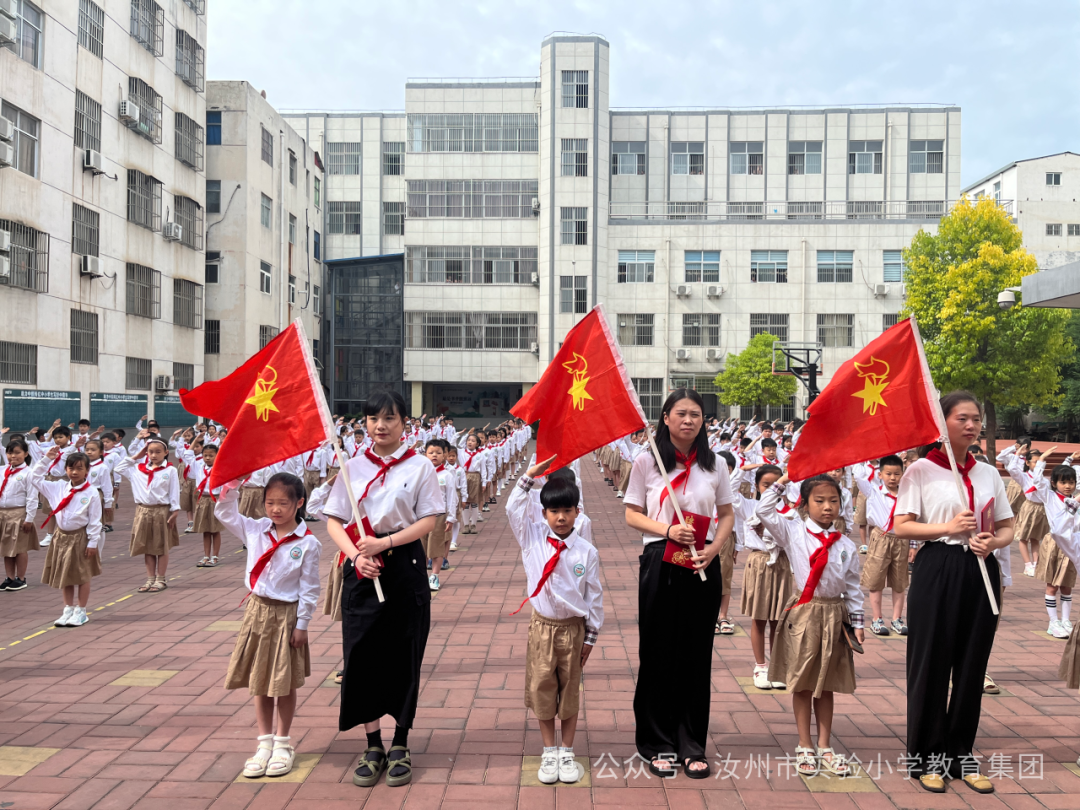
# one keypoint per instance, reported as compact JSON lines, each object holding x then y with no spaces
{"x":677,"y":611}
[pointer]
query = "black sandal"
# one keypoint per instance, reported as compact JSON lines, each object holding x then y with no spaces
{"x":405,"y":762}
{"x":374,"y":766}
{"x":702,"y":773}
{"x":664,"y":773}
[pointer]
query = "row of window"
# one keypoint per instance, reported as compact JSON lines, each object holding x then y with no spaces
{"x":213,"y":137}
{"x":703,"y":329}
{"x":19,"y":361}
{"x":470,"y":265}
{"x":347,"y":218}
{"x":1054,"y":229}
{"x":473,"y":132}
{"x":766,"y":266}
{"x":472,"y":331}
{"x":472,"y":199}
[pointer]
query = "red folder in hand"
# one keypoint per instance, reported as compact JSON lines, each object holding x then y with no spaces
{"x":679,"y":554}
{"x":354,"y":536}
{"x":986,"y":517}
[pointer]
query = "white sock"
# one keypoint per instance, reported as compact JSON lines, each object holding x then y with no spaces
{"x":566,"y":749}
{"x":1066,"y":606}
{"x":454,"y":533}
{"x":1051,"y":607}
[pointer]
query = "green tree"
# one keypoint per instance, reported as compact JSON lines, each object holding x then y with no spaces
{"x":1004,"y":357}
{"x":748,"y":378}
{"x":1068,"y":409}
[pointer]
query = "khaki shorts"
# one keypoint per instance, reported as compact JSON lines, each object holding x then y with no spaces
{"x":860,"y":509}
{"x":553,"y":666}
{"x":437,"y":541}
{"x":727,"y":563}
{"x":886,"y":563}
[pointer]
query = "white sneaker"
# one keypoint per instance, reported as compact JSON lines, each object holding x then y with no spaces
{"x":78,"y":618}
{"x":1068,"y":625}
{"x":65,"y":617}
{"x":433,"y":583}
{"x":1057,"y":630}
{"x":190,"y":527}
{"x":1029,"y":569}
{"x":779,"y":685}
{"x":453,"y":546}
{"x":46,"y":541}
{"x":761,"y":678}
{"x":549,"y":767}
{"x":570,"y":770}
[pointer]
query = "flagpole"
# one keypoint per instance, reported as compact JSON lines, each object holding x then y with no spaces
{"x":343,"y":465}
{"x":671,"y":494}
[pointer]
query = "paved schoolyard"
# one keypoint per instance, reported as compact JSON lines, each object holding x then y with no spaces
{"x":129,"y":711}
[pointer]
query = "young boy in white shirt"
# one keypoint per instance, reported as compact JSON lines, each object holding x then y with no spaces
{"x":563,"y":573}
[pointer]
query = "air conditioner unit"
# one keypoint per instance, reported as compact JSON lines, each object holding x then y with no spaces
{"x":682,"y":354}
{"x":164,"y":382}
{"x":93,"y":162}
{"x":534,"y":348}
{"x":5,"y":267}
{"x":5,"y":241}
{"x":129,"y":113}
{"x":7,"y":154}
{"x":90,"y":266}
{"x":683,"y":291}
{"x":903,"y":290}
{"x":7,"y":130}
{"x":172,"y":231}
{"x":534,"y":279}
{"x":881,"y":290}
{"x":714,"y":291}
{"x":9,"y":7}
{"x":7,"y":30}
{"x":535,"y":205}
{"x":714,"y":354}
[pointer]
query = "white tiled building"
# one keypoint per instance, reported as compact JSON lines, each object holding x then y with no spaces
{"x":102,"y":195}
{"x":529,"y":201}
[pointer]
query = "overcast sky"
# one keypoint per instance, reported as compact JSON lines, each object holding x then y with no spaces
{"x":1014,"y":68}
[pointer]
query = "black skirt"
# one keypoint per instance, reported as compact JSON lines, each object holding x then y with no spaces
{"x":384,"y":642}
{"x":677,"y":615}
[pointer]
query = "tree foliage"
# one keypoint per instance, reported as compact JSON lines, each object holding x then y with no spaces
{"x":1005,"y":357}
{"x":748,"y":378}
{"x":1068,"y":408}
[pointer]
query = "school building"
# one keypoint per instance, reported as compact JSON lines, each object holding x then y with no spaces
{"x":493,"y":214}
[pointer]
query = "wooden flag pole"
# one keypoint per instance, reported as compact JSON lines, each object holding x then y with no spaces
{"x":343,"y":464}
{"x":671,"y":494}
{"x":962,"y":491}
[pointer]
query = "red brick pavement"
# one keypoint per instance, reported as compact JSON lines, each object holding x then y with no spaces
{"x":182,"y":744}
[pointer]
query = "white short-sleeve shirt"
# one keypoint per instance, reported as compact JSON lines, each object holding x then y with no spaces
{"x":928,"y":491}
{"x":703,"y":492}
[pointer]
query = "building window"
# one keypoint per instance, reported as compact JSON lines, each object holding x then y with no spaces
{"x":18,"y":362}
{"x":213,"y":267}
{"x":343,"y":158}
{"x":264,"y":277}
{"x":470,"y":265}
{"x":91,"y":27}
{"x":143,"y":291}
{"x":144,"y":200}
{"x":85,"y":231}
{"x":575,"y":157}
{"x":393,"y":158}
{"x":688,"y":158}
{"x":87,"y":122}
{"x":292,"y":167}
{"x":267,"y":146}
{"x":473,"y":132}
{"x":573,"y":294}
{"x":149,"y":103}
{"x":318,"y":190}
{"x":650,"y":391}
{"x":472,"y":199}
{"x":84,"y":337}
{"x":189,"y":215}
{"x":25,"y":144}
{"x":997,"y":192}
{"x":889,"y":320}
{"x":292,"y":229}
{"x":1053,"y":178}
{"x":636,"y":329}
{"x":1074,"y":230}
{"x":213,"y":196}
{"x":183,"y":376}
{"x":316,"y":251}
{"x":775,"y":325}
{"x":29,"y":257}
{"x":834,"y":266}
{"x":701,"y":329}
{"x":266,"y":334}
{"x":864,"y":157}
{"x":29,"y":24}
{"x":343,"y":217}
{"x":393,"y":218}
{"x":292,"y":289}
{"x":316,"y":300}
{"x":212,"y":338}
{"x":784,"y":413}
{"x":836,"y":331}
{"x":866,"y":209}
{"x":894,"y":266}
{"x":189,"y":142}
{"x":768,"y":266}
{"x":190,"y":61}
{"x":213,"y":129}
{"x":701,"y":265}
{"x":804,"y":157}
{"x":1053,"y":230}
{"x":148,"y":25}
{"x":267,"y":211}
{"x":139,"y":374}
{"x":636,"y":266}
{"x":628,"y":157}
{"x":471,"y":331}
{"x":926,"y":157}
{"x":198,"y":6}
{"x":575,"y":226}
{"x":575,"y":89}
{"x":805,"y":210}
{"x":747,"y":157}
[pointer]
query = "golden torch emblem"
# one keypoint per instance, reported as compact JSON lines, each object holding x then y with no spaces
{"x":876,"y":375}
{"x":578,"y":368}
{"x":263,"y":398}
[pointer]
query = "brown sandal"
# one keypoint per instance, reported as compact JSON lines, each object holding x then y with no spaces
{"x":148,"y":586}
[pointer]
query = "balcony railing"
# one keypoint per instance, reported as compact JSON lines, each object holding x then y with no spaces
{"x":918,"y":210}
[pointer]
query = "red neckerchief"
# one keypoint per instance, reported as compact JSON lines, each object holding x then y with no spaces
{"x":469,"y":460}
{"x":549,"y":566}
{"x":682,"y":478}
{"x":65,"y":501}
{"x":56,"y":461}
{"x":892,"y":512}
{"x":10,"y":471}
{"x":261,"y":563}
{"x":942,"y":460}
{"x":440,"y":468}
{"x":187,"y":468}
{"x":384,"y":468}
{"x":202,"y":486}
{"x":818,"y":560}
{"x":873,"y":470}
{"x":151,"y":472}
{"x":97,"y":463}
{"x":311,"y":458}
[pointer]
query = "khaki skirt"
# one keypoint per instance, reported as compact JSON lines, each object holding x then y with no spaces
{"x":262,"y":659}
{"x":1015,"y":495}
{"x":187,"y":494}
{"x":151,"y":533}
{"x":311,"y":482}
{"x":66,"y":562}
{"x":205,"y":519}
{"x":810,"y":653}
{"x":473,"y":482}
{"x":766,"y":588}
{"x":746,"y":489}
{"x":1031,"y":521}
{"x":1054,"y":567}
{"x":727,"y":562}
{"x":251,"y":502}
{"x":1069,"y":668}
{"x":332,"y":603}
{"x":13,"y":540}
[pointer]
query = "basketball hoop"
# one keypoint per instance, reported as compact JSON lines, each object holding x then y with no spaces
{"x":799,"y":360}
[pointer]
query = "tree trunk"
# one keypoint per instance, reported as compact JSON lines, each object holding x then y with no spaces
{"x":991,"y":429}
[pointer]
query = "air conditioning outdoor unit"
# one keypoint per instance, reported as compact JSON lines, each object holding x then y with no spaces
{"x":534,"y":348}
{"x":7,"y":154}
{"x":90,"y":266}
{"x":683,"y":291}
{"x":903,"y":290}
{"x":881,"y":290}
{"x":534,"y":279}
{"x":7,"y":30}
{"x":714,"y":354}
{"x":535,"y":205}
{"x":5,"y":267}
{"x":7,"y":130}
{"x":129,"y":112}
{"x":714,"y":291}
{"x":93,"y":162}
{"x":5,"y":241}
{"x":9,"y":7}
{"x":164,"y":382}
{"x":682,"y":354}
{"x":172,"y":231}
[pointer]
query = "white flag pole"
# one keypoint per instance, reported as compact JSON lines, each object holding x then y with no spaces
{"x":671,"y":494}
{"x":343,"y":464}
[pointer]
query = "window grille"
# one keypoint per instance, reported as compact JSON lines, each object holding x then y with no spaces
{"x":834,"y":266}
{"x":213,"y":196}
{"x":190,"y":61}
{"x":85,"y":231}
{"x":701,"y":329}
{"x":747,"y":157}
{"x":264,"y":278}
{"x":650,"y":391}
{"x":29,"y":25}
{"x":575,"y":89}
{"x":926,"y":157}
{"x":804,"y":157}
{"x":688,"y":158}
{"x":266,"y":212}
{"x":575,"y":157}
{"x":25,"y":144}
{"x":342,"y":158}
{"x":393,"y":158}
{"x":471,"y":199}
{"x":149,"y":104}
{"x":213,"y":128}
{"x":836,"y":331}
{"x":91,"y":27}
{"x":470,"y":331}
{"x":889,"y":320}
{"x":470,"y":265}
{"x":139,"y":374}
{"x":864,"y":157}
{"x":806,"y":210}
{"x":393,"y":218}
{"x":1053,"y":178}
{"x":575,"y":226}
{"x":183,"y":375}
{"x":696,"y":210}
{"x":573,"y":294}
{"x":266,"y":334}
{"x":189,"y":142}
{"x":84,"y":337}
{"x":344,"y":217}
{"x":893,"y":261}
{"x":144,"y":200}
{"x":1053,"y":230}
{"x":636,"y":329}
{"x":148,"y":25}
{"x":198,"y":6}
{"x":87,"y":122}
{"x":785,"y":413}
{"x":187,"y":303}
{"x":18,"y":362}
{"x":212,"y":338}
{"x":267,"y":146}
{"x":628,"y":157}
{"x":701,"y":265}
{"x":865,"y":209}
{"x":143,"y":291}
{"x":473,"y":132}
{"x":1074,"y":230}
{"x":775,"y":325}
{"x":29,"y":257}
{"x":768,"y":266}
{"x":636,"y":266}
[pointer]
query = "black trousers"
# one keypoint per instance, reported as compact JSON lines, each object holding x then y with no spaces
{"x":677,"y":615}
{"x":384,"y":642}
{"x":951,"y":631}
